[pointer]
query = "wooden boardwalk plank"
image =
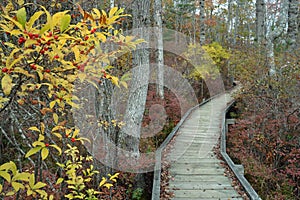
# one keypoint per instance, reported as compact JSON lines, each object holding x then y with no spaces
{"x":196,"y":172}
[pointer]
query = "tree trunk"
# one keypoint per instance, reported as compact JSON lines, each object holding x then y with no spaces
{"x":160,"y":48}
{"x":293,"y":12}
{"x":202,"y":22}
{"x":260,"y":20}
{"x":130,"y":136}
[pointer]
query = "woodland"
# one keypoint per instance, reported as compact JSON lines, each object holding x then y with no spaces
{"x":76,"y":75}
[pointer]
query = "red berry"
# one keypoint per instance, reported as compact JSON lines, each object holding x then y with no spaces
{"x":56,"y":37}
{"x":76,"y":28}
{"x":73,"y":139}
{"x":50,"y":34}
{"x":42,"y":51}
{"x":36,"y":35}
{"x":86,"y":37}
{"x":67,"y":135}
{"x":81,"y":67}
{"x":81,"y":52}
{"x":47,"y":145}
{"x":39,"y":41}
{"x":47,"y":70}
{"x":56,"y":57}
{"x":31,"y":36}
{"x":33,"y":66}
{"x":4,"y":70}
{"x":48,"y":43}
{"x":21,"y":40}
{"x":45,"y":48}
{"x":93,"y":30}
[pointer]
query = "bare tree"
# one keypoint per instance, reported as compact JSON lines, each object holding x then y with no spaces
{"x":160,"y":46}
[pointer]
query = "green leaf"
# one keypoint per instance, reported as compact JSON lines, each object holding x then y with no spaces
{"x":32,"y":151}
{"x":5,"y":175}
{"x":17,"y":186}
{"x":44,"y":153}
{"x":7,"y":84}
{"x":65,"y":22}
{"x":21,"y":16}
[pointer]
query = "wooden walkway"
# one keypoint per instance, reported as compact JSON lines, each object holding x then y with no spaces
{"x":196,"y":171}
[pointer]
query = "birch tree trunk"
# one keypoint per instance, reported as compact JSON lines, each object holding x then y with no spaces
{"x":260,"y":20}
{"x":160,"y":48}
{"x":202,"y":22}
{"x":293,"y":12}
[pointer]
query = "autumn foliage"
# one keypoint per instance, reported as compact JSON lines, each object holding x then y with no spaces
{"x":42,"y":55}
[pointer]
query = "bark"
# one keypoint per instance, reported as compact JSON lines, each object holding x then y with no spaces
{"x":273,"y":33}
{"x":112,"y":3}
{"x":160,"y":53}
{"x":130,"y":136}
{"x":293,"y":12}
{"x":260,"y":20}
{"x":202,"y":22}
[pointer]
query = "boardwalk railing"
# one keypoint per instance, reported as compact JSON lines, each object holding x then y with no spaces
{"x":235,"y":168}
{"x":157,"y":168}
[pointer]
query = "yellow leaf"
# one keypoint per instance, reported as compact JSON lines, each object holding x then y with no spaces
{"x":14,"y":21}
{"x":112,"y":11}
{"x":102,"y":182}
{"x":55,"y":118}
{"x":52,"y":104}
{"x":21,"y":2}
{"x":7,"y":166}
{"x":7,"y":84}
{"x":57,"y":148}
{"x":1,"y":188}
{"x":34,"y":128}
{"x":108,"y":185}
{"x":24,"y":176}
{"x":31,"y":181}
{"x":33,"y":151}
{"x":10,"y":193}
{"x":101,"y":36}
{"x":42,"y":127}
{"x":22,"y":71}
{"x":5,"y":175}
{"x":57,"y":135}
{"x":17,"y":186}
{"x":38,"y":185}
{"x":34,"y":17}
{"x":44,"y":153}
{"x":59,"y":181}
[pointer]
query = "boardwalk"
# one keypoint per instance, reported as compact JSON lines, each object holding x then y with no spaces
{"x":196,"y":172}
